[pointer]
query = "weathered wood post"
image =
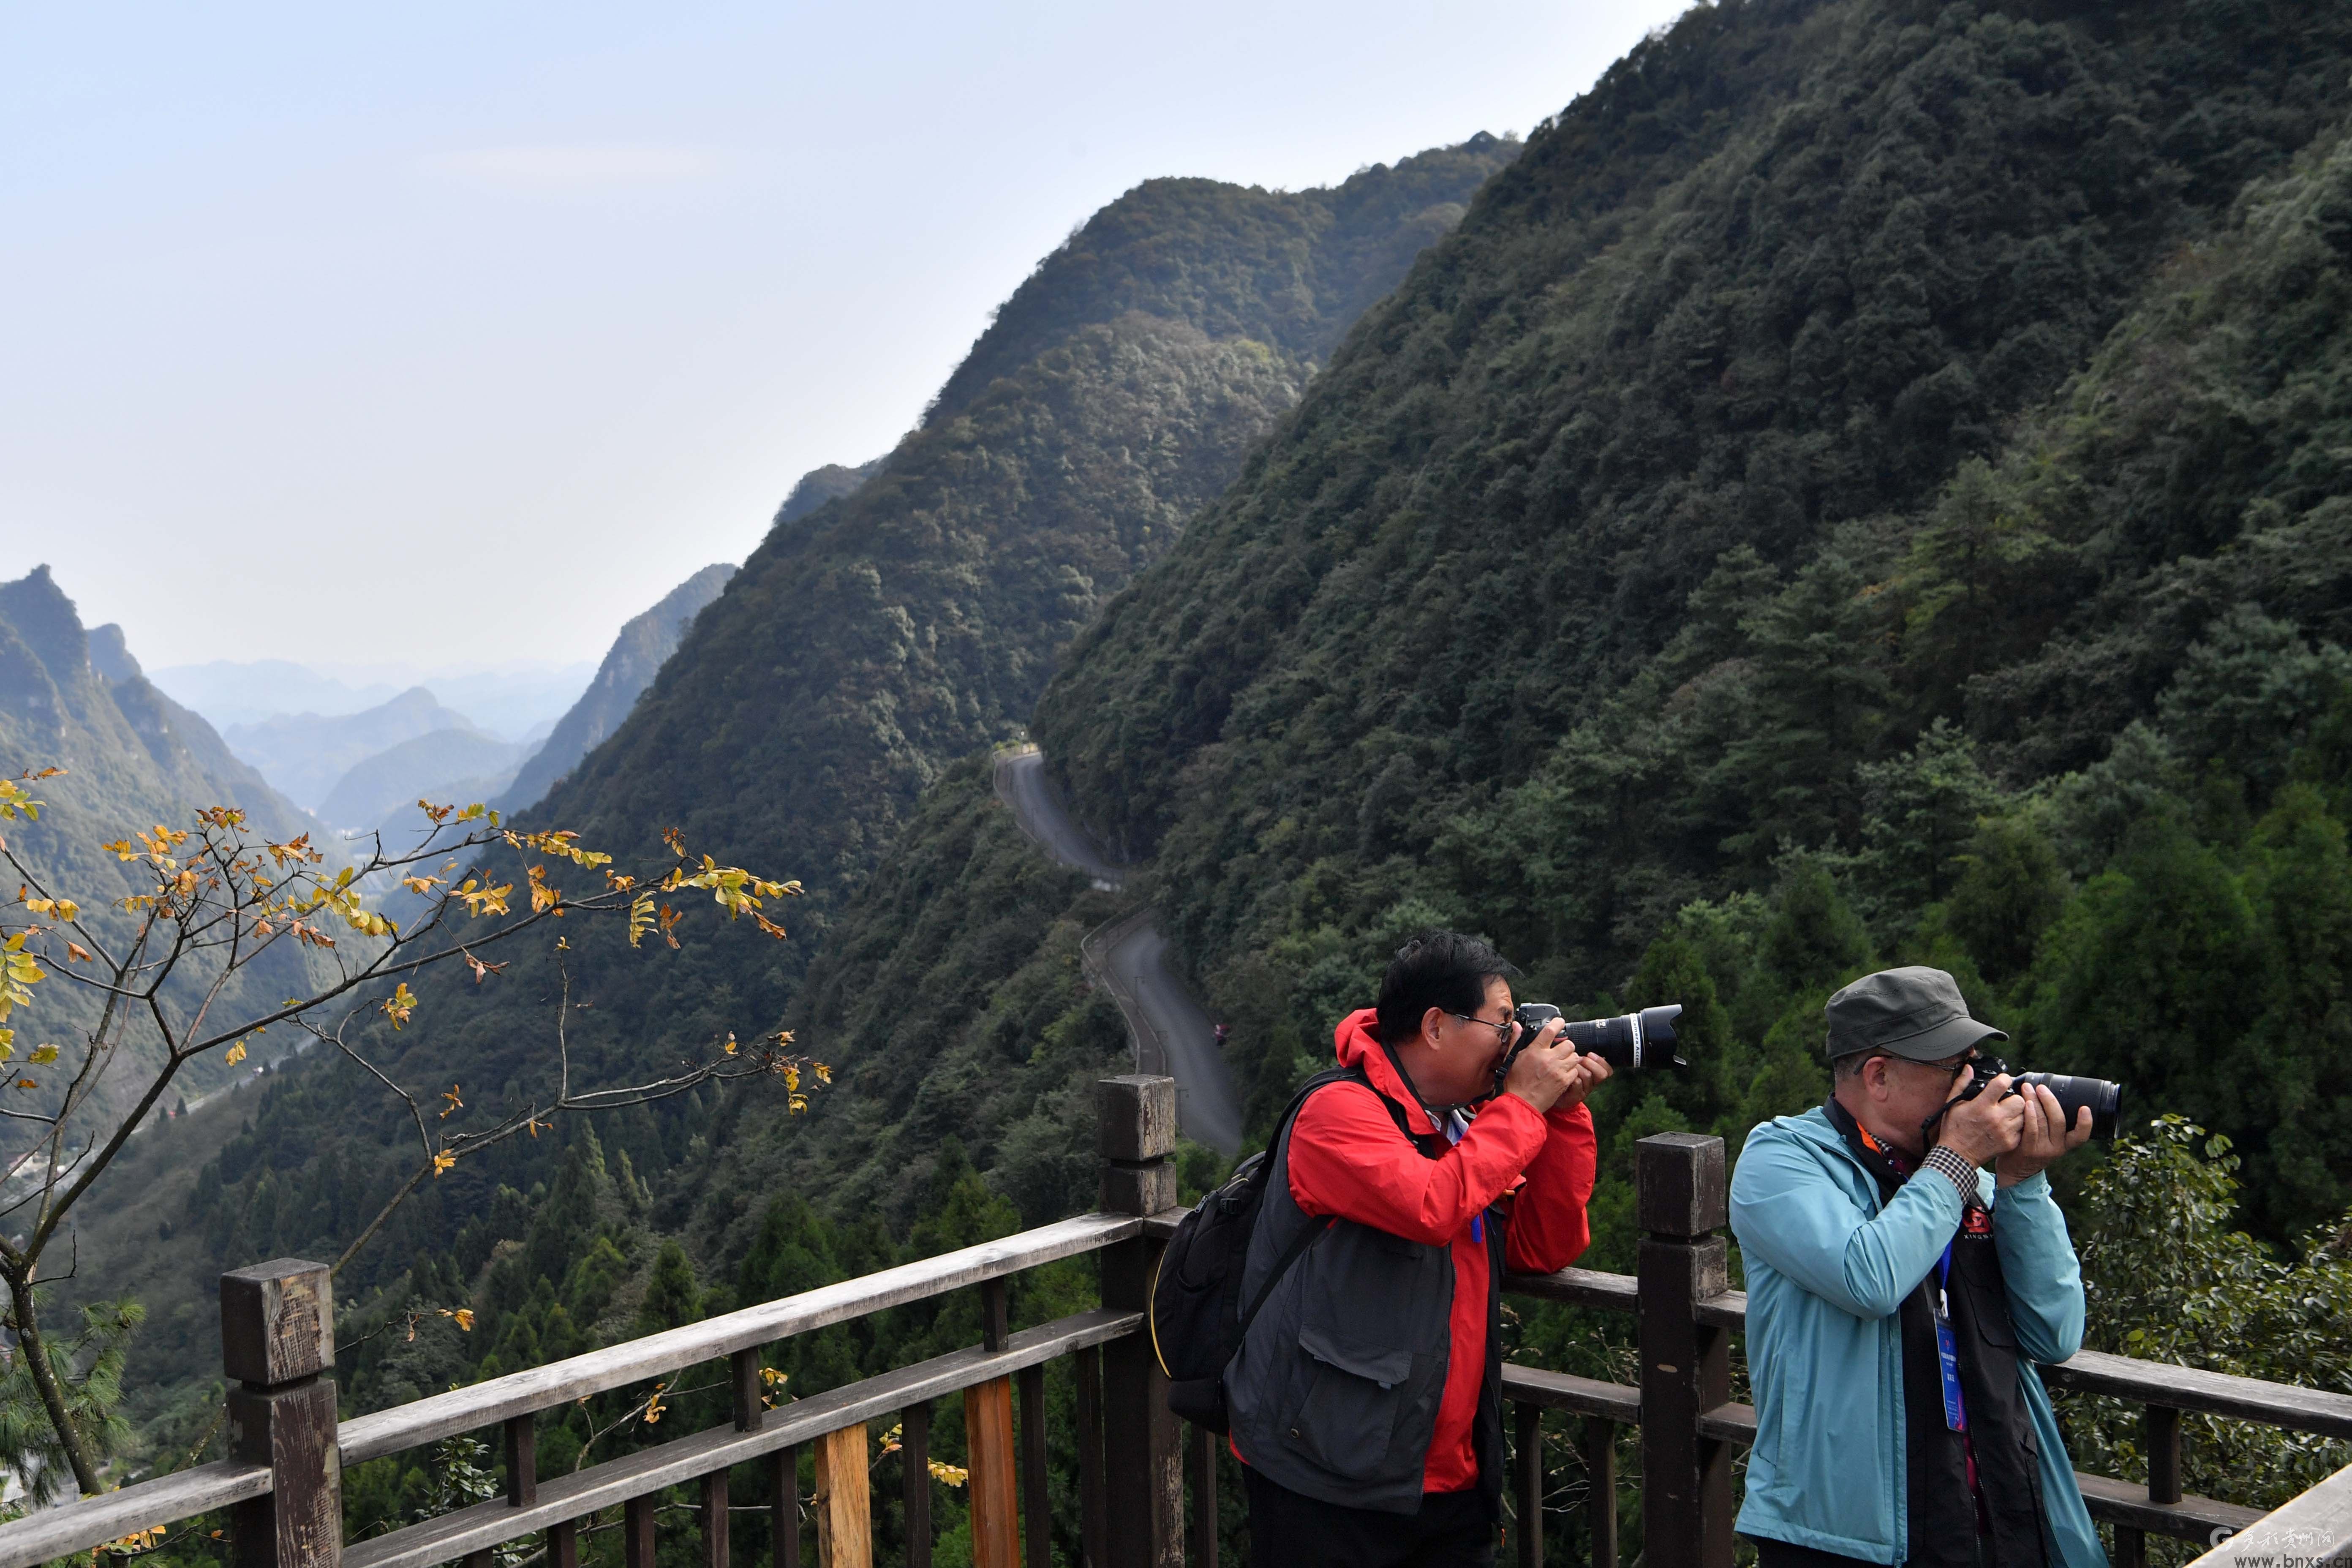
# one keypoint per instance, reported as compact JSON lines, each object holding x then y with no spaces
{"x":844,"y":1502}
{"x":1143,"y":1452}
{"x":277,"y":1340}
{"x":1680,"y":1199}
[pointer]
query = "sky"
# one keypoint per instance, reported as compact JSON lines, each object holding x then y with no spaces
{"x":448,"y":334}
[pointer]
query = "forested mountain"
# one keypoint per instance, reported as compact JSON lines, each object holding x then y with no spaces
{"x":629,"y":666}
{"x":866,"y":645}
{"x":76,"y":700}
{"x":1928,"y":417}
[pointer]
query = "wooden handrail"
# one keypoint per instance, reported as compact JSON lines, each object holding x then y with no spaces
{"x":616,"y":1366}
{"x":2165,"y":1384}
{"x":2312,"y":1528}
{"x":95,"y":1521}
{"x":685,"y":1459}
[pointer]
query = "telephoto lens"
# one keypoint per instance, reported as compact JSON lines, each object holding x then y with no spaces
{"x":2104,"y":1099}
{"x":1629,"y":1043}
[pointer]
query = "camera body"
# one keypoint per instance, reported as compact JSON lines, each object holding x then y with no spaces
{"x":2104,"y":1097}
{"x":1631,"y":1042}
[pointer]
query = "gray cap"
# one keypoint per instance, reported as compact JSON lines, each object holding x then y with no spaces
{"x":1915,"y":1013}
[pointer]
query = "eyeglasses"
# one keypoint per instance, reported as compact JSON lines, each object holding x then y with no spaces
{"x":1502,"y":1031}
{"x":1950,"y":1070}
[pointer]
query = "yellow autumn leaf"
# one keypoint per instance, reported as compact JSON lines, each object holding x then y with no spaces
{"x":442,"y":1161}
{"x":464,"y":1316}
{"x":235,"y":1054}
{"x":43,"y":1054}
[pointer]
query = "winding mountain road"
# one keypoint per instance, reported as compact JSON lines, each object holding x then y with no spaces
{"x":1128,"y":956}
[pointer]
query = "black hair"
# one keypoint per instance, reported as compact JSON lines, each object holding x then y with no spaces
{"x":1440,"y":969}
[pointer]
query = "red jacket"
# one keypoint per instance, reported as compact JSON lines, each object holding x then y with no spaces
{"x":1347,"y":1158}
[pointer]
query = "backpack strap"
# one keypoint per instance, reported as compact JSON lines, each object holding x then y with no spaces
{"x":1309,"y":1235}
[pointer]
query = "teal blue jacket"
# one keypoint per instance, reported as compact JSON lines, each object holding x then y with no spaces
{"x":1827,"y":1268}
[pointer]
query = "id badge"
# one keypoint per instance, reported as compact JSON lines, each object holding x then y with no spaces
{"x":1947,"y":1362}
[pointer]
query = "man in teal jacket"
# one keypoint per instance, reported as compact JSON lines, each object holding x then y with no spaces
{"x":1899,"y":1296}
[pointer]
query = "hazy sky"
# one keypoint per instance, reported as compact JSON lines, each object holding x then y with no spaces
{"x":438,"y":333}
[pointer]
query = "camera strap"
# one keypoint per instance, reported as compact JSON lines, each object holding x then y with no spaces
{"x":1948,"y":1347}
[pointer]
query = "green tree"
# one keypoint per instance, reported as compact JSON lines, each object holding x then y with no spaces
{"x":1918,"y":812}
{"x":2249,"y":692}
{"x":2170,"y":1279}
{"x":1819,"y":700}
{"x":673,"y":1294}
{"x":2299,"y":885}
{"x":2152,"y":975}
{"x":2010,"y":888}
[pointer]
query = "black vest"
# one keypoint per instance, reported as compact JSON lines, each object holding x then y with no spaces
{"x":2004,"y":1517}
{"x":1334,"y":1391}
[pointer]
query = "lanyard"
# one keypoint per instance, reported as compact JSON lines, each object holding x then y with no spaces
{"x":1454,"y":1126}
{"x":1948,"y":1349}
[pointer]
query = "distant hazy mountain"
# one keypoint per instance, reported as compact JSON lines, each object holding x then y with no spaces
{"x":429,"y":766}
{"x":638,"y":652}
{"x":306,"y":754}
{"x":508,"y":699}
{"x":230,"y":693}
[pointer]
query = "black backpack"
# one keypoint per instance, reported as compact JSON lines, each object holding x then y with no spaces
{"x":1197,"y":1318}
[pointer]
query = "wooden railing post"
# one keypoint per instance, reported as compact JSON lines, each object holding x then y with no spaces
{"x":784,"y":1507}
{"x":1093,"y":1511}
{"x":1601,"y":1491}
{"x":277,"y":1340}
{"x":1143,"y":1451}
{"x":1680,"y":1199}
{"x":1527,"y":1479}
{"x":844,"y":1502}
{"x":915,"y":1480}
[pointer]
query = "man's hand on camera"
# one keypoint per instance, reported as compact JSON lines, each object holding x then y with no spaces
{"x":1549,"y":1072}
{"x":2042,"y":1137}
{"x":1982,"y":1130}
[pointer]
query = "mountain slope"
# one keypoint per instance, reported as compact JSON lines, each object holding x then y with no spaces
{"x":629,"y":666}
{"x":133,"y":758}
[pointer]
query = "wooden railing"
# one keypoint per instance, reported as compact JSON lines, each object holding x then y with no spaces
{"x":283,"y":1477}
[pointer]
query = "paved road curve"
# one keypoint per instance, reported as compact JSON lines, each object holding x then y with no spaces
{"x":1171,"y":1032}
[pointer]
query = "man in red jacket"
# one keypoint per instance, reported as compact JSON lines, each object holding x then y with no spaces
{"x":1366,"y":1399}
